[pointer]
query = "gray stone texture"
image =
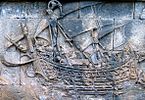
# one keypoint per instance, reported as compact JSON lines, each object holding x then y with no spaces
{"x":125,"y":21}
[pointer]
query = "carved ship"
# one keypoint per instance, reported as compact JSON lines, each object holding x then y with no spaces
{"x":99,"y":75}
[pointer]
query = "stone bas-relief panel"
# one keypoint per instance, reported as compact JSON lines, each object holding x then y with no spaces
{"x":87,"y":51}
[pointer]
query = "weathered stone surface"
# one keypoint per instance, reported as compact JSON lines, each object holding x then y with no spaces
{"x":116,"y":24}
